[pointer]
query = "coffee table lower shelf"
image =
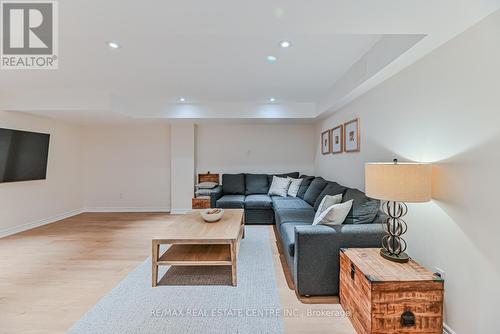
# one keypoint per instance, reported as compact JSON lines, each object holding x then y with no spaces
{"x":196,"y":255}
{"x":193,"y":242}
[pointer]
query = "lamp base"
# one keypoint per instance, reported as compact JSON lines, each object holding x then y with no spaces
{"x":401,"y":258}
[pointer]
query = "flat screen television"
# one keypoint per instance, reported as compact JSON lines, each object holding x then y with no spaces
{"x":23,"y":155}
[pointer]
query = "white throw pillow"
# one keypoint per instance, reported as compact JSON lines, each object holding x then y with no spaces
{"x":279,"y":186}
{"x":294,"y":186}
{"x":334,"y":215}
{"x":327,"y":202}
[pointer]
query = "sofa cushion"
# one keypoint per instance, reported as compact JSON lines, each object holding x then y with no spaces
{"x":233,"y":184}
{"x":231,"y":202}
{"x":332,"y":188}
{"x":287,"y":234}
{"x":293,"y":175}
{"x":364,"y":209}
{"x":304,"y":185}
{"x":304,"y":216}
{"x":256,"y":184}
{"x":259,"y":216}
{"x":289,"y":203}
{"x":315,"y":188}
{"x":258,"y":202}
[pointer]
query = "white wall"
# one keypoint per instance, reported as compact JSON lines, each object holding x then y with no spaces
{"x":183,"y":166}
{"x":255,"y":148}
{"x":27,"y":204}
{"x":444,"y":109}
{"x":127,"y":167}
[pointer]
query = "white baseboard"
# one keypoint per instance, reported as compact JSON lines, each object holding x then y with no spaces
{"x":179,"y":211}
{"x":448,"y":330}
{"x":16,"y":229}
{"x":130,"y":209}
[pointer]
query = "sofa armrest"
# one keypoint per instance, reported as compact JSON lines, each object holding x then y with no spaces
{"x":215,"y":195}
{"x":317,"y":254}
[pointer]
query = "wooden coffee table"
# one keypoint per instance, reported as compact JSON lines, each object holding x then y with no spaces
{"x":197,"y":243}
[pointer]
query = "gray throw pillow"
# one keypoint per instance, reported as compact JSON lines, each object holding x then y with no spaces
{"x":332,"y":188}
{"x":279,"y":186}
{"x":203,"y":192}
{"x":207,"y":185}
{"x":364,"y":209}
{"x":304,"y":185}
{"x":316,"y":187}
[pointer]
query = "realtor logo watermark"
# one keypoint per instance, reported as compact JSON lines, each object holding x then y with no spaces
{"x":29,"y":32}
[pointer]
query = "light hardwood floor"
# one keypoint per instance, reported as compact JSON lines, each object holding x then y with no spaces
{"x":50,"y":276}
{"x":311,"y":315}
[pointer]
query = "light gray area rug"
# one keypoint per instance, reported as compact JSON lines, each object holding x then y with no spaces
{"x":211,"y":306}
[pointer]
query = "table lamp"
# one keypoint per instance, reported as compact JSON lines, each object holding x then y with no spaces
{"x":396,"y":183}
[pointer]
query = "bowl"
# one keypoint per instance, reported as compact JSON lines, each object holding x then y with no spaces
{"x":211,"y":215}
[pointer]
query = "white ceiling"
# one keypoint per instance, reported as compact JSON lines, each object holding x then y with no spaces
{"x":214,"y":54}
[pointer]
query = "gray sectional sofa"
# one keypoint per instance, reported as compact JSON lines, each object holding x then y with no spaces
{"x":311,"y":252}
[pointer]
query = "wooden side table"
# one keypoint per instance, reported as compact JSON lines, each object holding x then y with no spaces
{"x":200,"y":203}
{"x":203,"y":202}
{"x":385,"y":297}
{"x":208,"y":178}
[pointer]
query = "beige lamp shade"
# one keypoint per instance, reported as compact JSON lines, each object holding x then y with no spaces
{"x":402,"y":182}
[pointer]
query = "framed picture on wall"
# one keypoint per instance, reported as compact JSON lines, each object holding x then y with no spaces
{"x":351,"y":136}
{"x":338,"y":139}
{"x":326,"y":142}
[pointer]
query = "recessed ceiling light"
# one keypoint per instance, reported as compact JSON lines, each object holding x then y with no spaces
{"x":113,"y":45}
{"x":285,"y":44}
{"x":182,"y":99}
{"x":271,"y":59}
{"x":272,"y":99}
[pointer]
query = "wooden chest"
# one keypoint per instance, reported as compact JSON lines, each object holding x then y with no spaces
{"x":208,"y":178}
{"x":384,"y":297}
{"x":200,"y":203}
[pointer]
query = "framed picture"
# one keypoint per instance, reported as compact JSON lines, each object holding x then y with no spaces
{"x":351,"y":136}
{"x":338,"y":139}
{"x":326,"y":142}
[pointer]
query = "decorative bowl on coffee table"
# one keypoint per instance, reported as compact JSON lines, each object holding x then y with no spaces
{"x":211,"y":215}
